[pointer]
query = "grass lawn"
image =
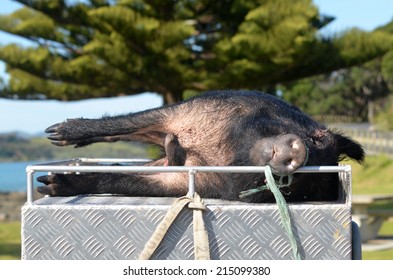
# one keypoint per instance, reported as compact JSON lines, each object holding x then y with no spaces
{"x":374,"y":177}
{"x":10,"y":241}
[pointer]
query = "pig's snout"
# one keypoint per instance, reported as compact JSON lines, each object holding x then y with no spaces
{"x":284,"y":153}
{"x":289,"y":153}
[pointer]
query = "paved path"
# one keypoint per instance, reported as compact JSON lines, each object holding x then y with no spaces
{"x":378,"y":244}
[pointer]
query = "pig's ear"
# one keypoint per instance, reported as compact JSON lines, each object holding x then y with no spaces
{"x":348,"y":148}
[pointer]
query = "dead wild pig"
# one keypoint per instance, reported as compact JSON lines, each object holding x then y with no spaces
{"x":219,"y":128}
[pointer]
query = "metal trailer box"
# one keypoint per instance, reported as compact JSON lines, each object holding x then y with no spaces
{"x":116,"y":227}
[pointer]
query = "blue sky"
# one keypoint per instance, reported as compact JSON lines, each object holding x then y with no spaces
{"x":35,"y":116}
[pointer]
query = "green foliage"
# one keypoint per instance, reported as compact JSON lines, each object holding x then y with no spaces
{"x":387,"y":67}
{"x":363,"y":90}
{"x":86,"y":49}
{"x":355,"y":42}
{"x":356,"y":91}
{"x":384,"y":117}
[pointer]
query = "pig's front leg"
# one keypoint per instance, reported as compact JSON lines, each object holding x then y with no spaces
{"x":148,"y":126}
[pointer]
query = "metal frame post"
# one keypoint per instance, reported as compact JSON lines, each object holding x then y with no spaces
{"x":191,"y":182}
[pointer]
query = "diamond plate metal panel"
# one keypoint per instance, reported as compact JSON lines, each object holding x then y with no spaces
{"x":106,"y":227}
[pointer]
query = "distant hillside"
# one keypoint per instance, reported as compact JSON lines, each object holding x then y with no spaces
{"x":19,"y":147}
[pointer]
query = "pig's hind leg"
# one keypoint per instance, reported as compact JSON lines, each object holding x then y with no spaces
{"x":158,"y":184}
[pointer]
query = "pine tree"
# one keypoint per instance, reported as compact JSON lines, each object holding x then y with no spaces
{"x":102,"y":48}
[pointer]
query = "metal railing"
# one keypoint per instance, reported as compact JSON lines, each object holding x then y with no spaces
{"x":81,"y":165}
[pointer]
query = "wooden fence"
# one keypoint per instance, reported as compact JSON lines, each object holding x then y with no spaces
{"x":336,"y":119}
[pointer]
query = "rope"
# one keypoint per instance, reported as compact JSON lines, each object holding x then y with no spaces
{"x":280,"y":184}
{"x":201,"y":241}
{"x":282,"y":205}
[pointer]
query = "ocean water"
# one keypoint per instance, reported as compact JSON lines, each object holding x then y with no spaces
{"x":13,"y":176}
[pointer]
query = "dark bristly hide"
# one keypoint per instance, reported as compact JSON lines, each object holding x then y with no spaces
{"x":218,"y":128}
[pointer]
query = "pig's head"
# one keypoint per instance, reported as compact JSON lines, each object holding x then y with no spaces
{"x":286,"y":153}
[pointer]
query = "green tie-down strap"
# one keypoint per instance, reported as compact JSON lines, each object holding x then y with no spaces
{"x":274,"y":187}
